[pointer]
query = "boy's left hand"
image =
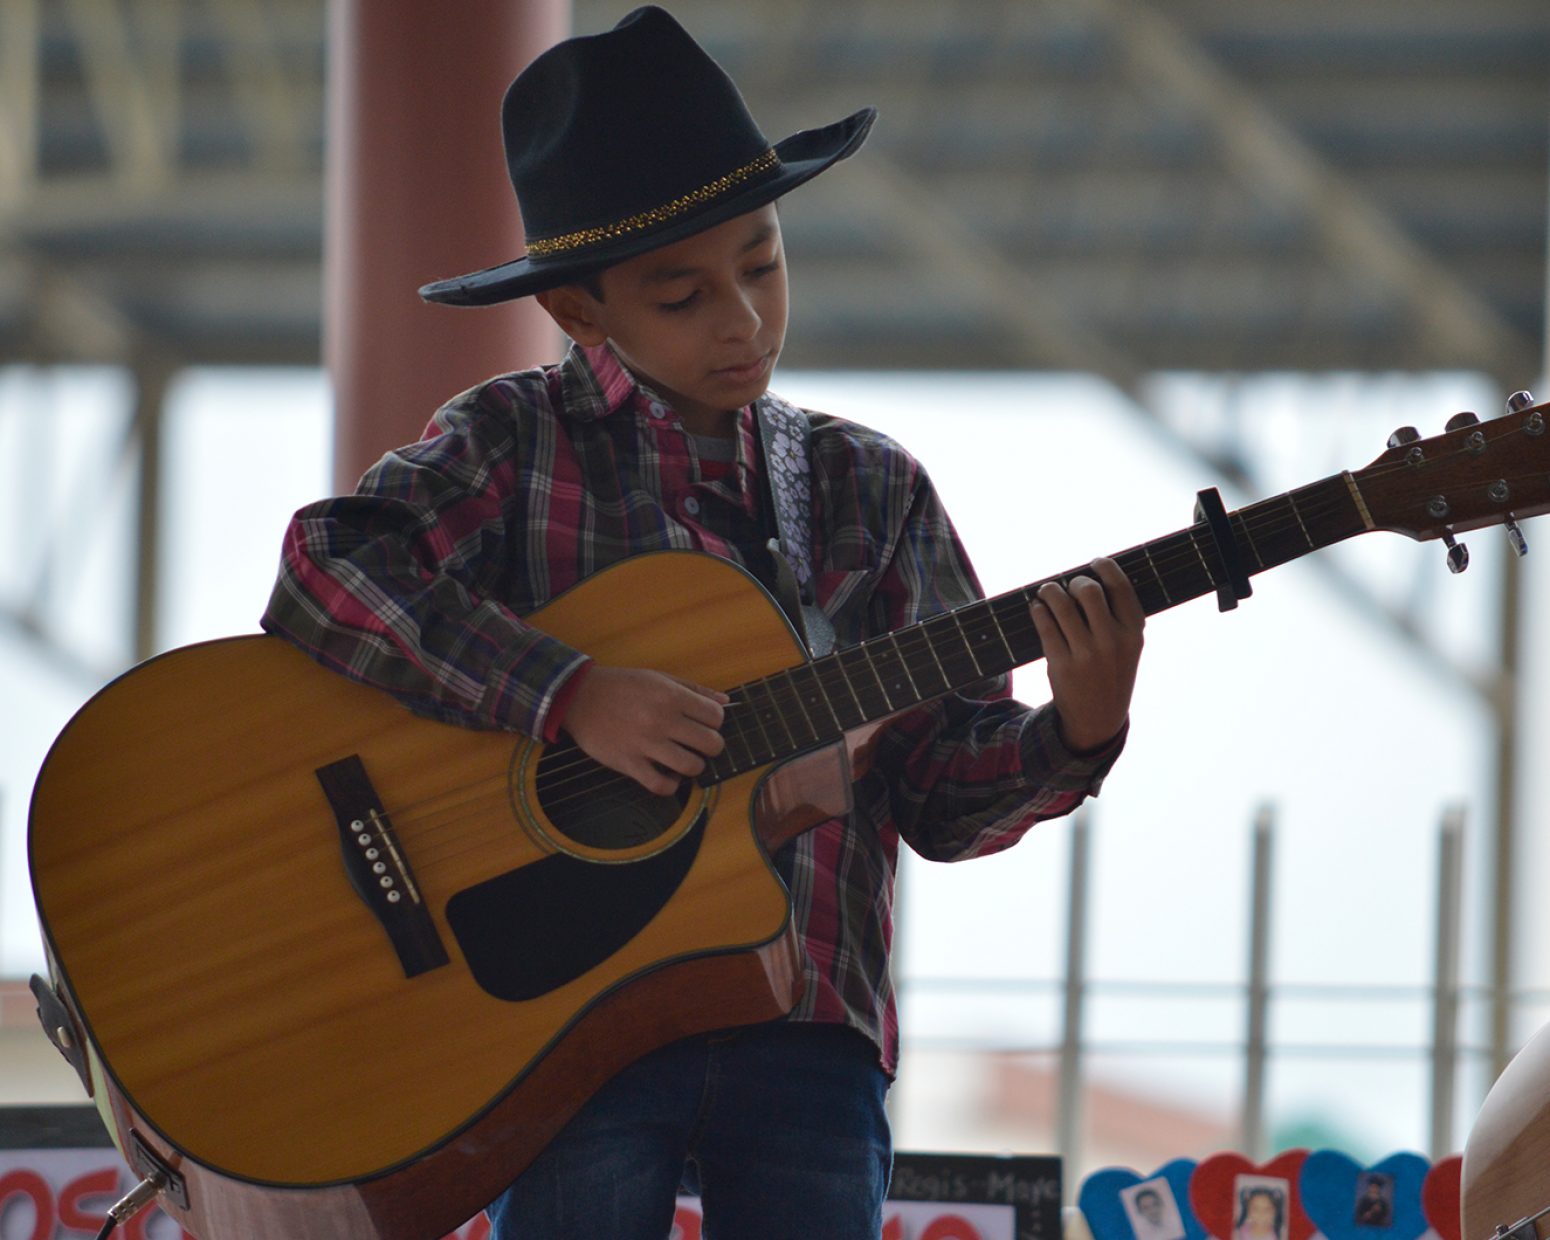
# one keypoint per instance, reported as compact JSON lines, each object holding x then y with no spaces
{"x":1092,"y":636}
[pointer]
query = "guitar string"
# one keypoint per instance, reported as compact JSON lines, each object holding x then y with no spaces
{"x":1184,"y":547}
{"x":587,"y":778}
{"x":581,"y":776}
{"x":594,"y":773}
{"x":589,"y":774}
{"x":832,"y":677}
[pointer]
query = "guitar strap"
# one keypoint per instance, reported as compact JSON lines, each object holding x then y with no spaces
{"x":783,"y":443}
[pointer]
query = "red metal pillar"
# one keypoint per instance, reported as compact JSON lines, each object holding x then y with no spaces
{"x":417,"y":190}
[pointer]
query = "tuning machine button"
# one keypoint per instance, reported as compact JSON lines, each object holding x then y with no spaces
{"x":1515,"y":538}
{"x":1458,"y":554}
{"x":1534,"y":424}
{"x":1408,"y":435}
{"x":1475,"y":442}
{"x":1515,"y":535}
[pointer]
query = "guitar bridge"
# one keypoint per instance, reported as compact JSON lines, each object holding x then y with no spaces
{"x":378,"y":868}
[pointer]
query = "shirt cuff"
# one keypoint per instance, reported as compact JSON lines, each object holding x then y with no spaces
{"x":1049,"y":762}
{"x":554,"y":718}
{"x":521,"y":690}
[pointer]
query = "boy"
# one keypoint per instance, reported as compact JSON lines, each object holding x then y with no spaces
{"x":647,"y":194}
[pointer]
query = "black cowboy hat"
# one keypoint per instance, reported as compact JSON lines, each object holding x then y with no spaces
{"x":623,"y":142}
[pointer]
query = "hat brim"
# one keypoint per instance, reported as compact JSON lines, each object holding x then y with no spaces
{"x":802,"y":157}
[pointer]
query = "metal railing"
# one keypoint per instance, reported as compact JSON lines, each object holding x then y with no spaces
{"x":1257,"y":996}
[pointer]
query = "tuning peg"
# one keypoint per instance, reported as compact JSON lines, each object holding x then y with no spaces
{"x":1460,"y":420}
{"x":1515,"y":535}
{"x":1519,"y":401}
{"x":1458,"y":554}
{"x":1404,"y":435}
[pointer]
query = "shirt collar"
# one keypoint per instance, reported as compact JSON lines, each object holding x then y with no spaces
{"x":596,"y":384}
{"x":614,"y":379}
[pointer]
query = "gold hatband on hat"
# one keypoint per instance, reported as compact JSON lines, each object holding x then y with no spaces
{"x":550,"y":246}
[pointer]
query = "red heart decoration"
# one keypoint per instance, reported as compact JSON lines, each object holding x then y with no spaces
{"x":1212,"y":1196}
{"x":1440,"y":1197}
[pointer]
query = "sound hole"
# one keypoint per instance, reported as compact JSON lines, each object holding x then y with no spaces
{"x":600,"y":808}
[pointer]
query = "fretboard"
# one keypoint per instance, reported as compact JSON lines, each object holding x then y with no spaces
{"x":816,"y":703}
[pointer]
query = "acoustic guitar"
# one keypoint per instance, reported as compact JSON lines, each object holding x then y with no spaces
{"x":333,"y":970}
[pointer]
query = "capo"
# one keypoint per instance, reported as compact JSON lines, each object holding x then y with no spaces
{"x":1209,"y":508}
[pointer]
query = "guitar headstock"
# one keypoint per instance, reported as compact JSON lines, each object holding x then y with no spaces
{"x":1473,"y":475}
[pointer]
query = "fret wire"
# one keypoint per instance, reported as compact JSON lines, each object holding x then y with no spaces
{"x":1000,"y":628}
{"x":810,"y":672}
{"x":860,"y":652}
{"x":1018,"y":626}
{"x":921,"y":633}
{"x":882,"y":684}
{"x":769,"y":741}
{"x":1291,"y":501}
{"x":850,"y":687}
{"x":904,"y":665}
{"x":987,"y":613}
{"x":796,"y":696}
{"x":1162,"y":585}
{"x":764,"y":732}
{"x":794,"y":693}
{"x":948,"y":647}
{"x":1137,"y":566}
{"x":967,"y":644}
{"x":827,"y":685}
{"x":1194,"y":542}
{"x":769,"y":692}
{"x":1183,"y":548}
{"x":735,"y":734}
{"x":1248,"y":537}
{"x":865,"y":652}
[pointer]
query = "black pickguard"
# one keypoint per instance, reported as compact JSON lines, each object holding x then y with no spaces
{"x":531,"y":930}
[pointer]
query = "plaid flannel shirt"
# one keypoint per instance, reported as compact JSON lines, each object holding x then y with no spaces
{"x":532,"y":481}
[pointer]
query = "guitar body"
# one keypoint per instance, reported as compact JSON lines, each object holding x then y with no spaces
{"x":1503,"y":1178}
{"x":308,"y":1064}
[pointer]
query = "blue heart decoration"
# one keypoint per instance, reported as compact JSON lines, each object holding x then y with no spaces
{"x":1106,"y":1212}
{"x":1347,"y":1201}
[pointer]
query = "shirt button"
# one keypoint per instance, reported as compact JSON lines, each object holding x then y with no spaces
{"x":657,"y":409}
{"x":692,"y":506}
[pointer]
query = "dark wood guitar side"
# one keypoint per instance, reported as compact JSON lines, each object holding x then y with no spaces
{"x":343,"y":972}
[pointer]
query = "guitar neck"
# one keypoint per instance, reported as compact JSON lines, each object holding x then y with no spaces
{"x":815,"y":704}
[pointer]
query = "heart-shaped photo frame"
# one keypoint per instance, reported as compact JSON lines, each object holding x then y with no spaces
{"x":1120,"y":1204}
{"x":1442,"y":1197}
{"x":1348,"y":1201}
{"x":1236,"y":1199}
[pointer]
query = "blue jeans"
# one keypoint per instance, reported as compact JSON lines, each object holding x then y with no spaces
{"x":780,"y":1128}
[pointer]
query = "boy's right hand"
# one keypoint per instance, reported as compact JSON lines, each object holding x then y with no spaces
{"x":648,"y":725}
